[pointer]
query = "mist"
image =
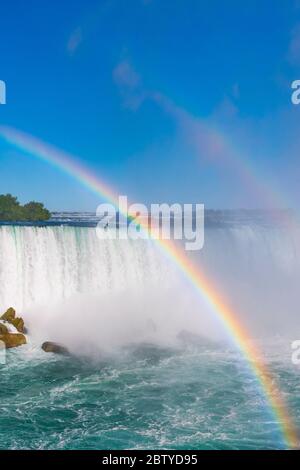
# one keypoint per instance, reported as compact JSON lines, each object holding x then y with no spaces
{"x":92,"y":325}
{"x":97,"y":296}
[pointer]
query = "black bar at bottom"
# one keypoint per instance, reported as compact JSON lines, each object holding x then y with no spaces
{"x":135,"y":459}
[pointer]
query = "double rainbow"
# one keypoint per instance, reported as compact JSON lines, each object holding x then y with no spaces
{"x":229,"y":319}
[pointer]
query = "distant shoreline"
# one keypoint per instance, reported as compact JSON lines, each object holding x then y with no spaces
{"x":213,"y":218}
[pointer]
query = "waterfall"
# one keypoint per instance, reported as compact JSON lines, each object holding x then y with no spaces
{"x":257,"y":268}
{"x":38,"y":264}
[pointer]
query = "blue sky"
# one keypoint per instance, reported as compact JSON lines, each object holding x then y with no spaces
{"x":166,"y":100}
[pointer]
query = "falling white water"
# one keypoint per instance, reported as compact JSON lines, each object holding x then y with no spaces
{"x":115,"y":291}
{"x":69,"y":285}
{"x":38,"y":265}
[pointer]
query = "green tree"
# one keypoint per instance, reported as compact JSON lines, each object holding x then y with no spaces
{"x":12,"y":210}
{"x":35,"y":211}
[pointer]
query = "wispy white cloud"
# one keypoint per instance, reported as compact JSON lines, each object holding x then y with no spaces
{"x":294,"y":46}
{"x":89,"y":22}
{"x":125,"y":75}
{"x":201,"y":134}
{"x":197,"y":132}
{"x":74,"y":40}
{"x":129,"y":84}
{"x":236,"y":91}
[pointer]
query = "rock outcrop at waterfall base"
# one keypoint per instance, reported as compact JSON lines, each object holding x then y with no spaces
{"x":17,"y":322}
{"x":3,"y":329}
{"x":12,"y":331}
{"x":9,"y":315}
{"x":51,"y":347}
{"x":13,"y":340}
{"x":10,"y":338}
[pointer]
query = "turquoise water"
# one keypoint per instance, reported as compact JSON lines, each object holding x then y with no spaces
{"x":196,"y":397}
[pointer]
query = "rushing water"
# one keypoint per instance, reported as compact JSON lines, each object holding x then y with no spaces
{"x":151,"y":366}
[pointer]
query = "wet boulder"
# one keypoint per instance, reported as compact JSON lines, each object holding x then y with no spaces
{"x":51,"y":347}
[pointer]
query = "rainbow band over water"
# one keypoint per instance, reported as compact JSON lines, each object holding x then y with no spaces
{"x":229,"y":319}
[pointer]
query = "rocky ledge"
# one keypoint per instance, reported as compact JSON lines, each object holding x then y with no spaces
{"x":12,"y":329}
{"x":12,"y":333}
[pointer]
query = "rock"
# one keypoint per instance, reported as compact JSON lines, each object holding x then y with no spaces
{"x":13,"y":340}
{"x":18,"y":323}
{"x":9,"y":315}
{"x":3,"y":329}
{"x":56,"y":348}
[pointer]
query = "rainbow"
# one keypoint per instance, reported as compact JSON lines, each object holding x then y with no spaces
{"x":221,"y":308}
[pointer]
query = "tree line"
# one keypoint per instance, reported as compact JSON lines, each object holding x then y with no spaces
{"x":12,"y":210}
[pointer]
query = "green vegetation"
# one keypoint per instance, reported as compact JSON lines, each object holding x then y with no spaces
{"x":12,"y":210}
